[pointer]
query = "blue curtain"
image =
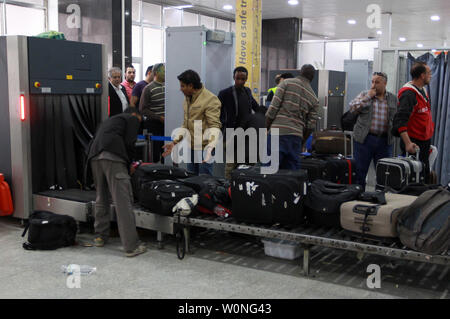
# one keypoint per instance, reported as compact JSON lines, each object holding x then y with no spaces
{"x":440,"y":106}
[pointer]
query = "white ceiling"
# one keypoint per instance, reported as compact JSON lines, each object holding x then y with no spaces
{"x":410,"y":18}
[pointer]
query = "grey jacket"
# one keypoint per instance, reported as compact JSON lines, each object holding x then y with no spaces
{"x":362,"y":126}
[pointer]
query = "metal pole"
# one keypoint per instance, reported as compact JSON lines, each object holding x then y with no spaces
{"x":306,"y":260}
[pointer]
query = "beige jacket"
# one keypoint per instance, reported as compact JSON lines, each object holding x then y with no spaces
{"x":204,"y":106}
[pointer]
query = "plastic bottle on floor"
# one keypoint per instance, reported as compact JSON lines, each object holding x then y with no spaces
{"x":84,"y":270}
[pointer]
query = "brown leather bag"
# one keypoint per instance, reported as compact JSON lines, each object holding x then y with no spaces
{"x":331,"y":142}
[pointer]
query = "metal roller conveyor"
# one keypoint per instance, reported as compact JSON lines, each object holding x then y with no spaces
{"x":314,"y":236}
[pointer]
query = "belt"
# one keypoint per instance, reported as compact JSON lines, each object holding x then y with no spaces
{"x":382,"y":135}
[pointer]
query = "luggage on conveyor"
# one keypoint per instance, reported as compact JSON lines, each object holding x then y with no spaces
{"x":324,"y":199}
{"x":336,"y":169}
{"x":397,"y":173}
{"x":214,"y":194}
{"x":148,"y":172}
{"x":267,"y":199}
{"x":161,"y":196}
{"x":201,"y":181}
{"x":417,"y":189}
{"x":371,"y":219}
{"x":332,"y":142}
{"x":425,"y":224}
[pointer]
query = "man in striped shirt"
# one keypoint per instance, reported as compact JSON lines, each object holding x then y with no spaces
{"x":152,"y":106}
{"x":294,"y":112}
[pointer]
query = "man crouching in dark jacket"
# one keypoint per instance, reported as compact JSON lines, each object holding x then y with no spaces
{"x":110,"y":155}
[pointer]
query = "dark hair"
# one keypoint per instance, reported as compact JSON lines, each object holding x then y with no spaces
{"x":131,"y":109}
{"x":286,"y":76}
{"x":277,"y":79}
{"x":130,"y":66}
{"x":149,"y":69}
{"x":240,"y":69}
{"x":418,"y":69}
{"x":190,"y":77}
{"x":308,"y":72}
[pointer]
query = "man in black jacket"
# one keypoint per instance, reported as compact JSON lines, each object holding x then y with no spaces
{"x":118,"y":99}
{"x":237,"y":104}
{"x":110,"y":155}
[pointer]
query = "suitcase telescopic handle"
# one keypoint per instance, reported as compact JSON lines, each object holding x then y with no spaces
{"x":417,"y":153}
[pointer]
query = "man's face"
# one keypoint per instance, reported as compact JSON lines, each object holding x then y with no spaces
{"x":130,"y":75}
{"x":187,"y":89}
{"x":379,"y":84}
{"x":115,"y":78}
{"x":239,"y":79}
{"x":427,"y":76}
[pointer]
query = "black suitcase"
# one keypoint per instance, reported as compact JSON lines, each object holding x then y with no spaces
{"x":155,"y":172}
{"x":341,"y":170}
{"x":334,"y":169}
{"x":161,"y":196}
{"x":267,"y":199}
{"x":316,"y":168}
{"x":201,"y":182}
{"x":324,"y":199}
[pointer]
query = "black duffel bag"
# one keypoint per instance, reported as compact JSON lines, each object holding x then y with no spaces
{"x":161,"y":196}
{"x":214,"y":194}
{"x":49,"y":231}
{"x":324,"y":200}
{"x":148,"y":172}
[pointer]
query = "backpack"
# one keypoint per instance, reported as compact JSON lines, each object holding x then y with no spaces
{"x":48,"y":231}
{"x":425,"y":225}
{"x":348,"y":121}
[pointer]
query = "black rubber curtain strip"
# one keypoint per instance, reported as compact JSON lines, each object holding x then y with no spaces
{"x":61,"y":128}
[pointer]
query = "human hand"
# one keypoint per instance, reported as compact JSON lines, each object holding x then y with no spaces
{"x":168,"y":149}
{"x":208,"y":154}
{"x":372,"y":92}
{"x":411,"y":148}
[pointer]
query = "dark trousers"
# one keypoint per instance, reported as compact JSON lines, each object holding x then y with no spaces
{"x":197,"y":167}
{"x":424,"y":155}
{"x":157,"y":129}
{"x":290,"y":148}
{"x":374,"y":148}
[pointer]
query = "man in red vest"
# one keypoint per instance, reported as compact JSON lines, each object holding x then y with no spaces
{"x":413,"y":121}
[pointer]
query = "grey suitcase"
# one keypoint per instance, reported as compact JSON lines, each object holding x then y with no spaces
{"x":397,"y":173}
{"x":373,"y":219}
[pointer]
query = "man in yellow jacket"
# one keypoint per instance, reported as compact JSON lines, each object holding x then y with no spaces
{"x":202,"y":106}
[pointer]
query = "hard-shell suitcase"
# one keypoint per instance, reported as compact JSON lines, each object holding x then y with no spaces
{"x":161,"y":196}
{"x":267,"y":199}
{"x":374,"y":220}
{"x":397,"y":173}
{"x":324,"y":199}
